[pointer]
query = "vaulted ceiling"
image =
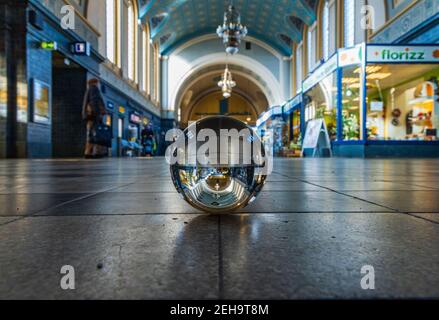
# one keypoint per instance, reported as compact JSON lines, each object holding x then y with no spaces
{"x":279,"y":23}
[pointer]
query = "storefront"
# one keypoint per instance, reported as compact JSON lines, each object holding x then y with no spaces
{"x":377,"y":100}
{"x":292,"y":128}
{"x":270,"y":126}
{"x":321,"y":98}
{"x":389,"y":101}
{"x":121,"y":111}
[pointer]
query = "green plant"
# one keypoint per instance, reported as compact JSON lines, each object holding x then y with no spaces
{"x":351,"y":129}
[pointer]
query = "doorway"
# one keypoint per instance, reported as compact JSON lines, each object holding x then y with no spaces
{"x":68,"y":89}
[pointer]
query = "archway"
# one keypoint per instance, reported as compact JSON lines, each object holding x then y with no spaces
{"x":184,"y":72}
{"x":200,"y":96}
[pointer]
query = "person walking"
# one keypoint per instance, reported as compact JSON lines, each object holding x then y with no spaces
{"x":147,"y":137}
{"x":93,"y":112}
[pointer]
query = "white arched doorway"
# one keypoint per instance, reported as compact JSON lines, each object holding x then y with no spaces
{"x":181,"y":71}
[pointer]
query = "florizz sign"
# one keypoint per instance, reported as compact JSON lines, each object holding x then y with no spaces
{"x":403,"y":54}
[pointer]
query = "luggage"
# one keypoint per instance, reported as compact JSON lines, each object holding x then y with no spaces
{"x":101,"y":135}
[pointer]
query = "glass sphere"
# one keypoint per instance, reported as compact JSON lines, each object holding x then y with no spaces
{"x":221,"y":164}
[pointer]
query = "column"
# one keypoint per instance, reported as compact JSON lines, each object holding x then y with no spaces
{"x":13,"y":79}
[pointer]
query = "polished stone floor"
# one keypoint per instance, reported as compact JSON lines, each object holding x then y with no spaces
{"x":128,"y":234}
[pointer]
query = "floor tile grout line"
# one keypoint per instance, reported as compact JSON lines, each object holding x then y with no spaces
{"x":341,"y":193}
{"x":398,"y":182}
{"x":64,"y":203}
{"x":11,"y":221}
{"x":176,"y":193}
{"x":202,"y":213}
{"x":418,"y":217}
{"x":420,"y":186}
{"x":371,"y":202}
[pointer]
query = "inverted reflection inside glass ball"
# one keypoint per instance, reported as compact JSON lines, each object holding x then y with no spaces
{"x":219,"y":185}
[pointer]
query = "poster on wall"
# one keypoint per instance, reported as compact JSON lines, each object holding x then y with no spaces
{"x":41,"y":102}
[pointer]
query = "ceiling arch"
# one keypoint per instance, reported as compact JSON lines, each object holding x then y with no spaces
{"x":205,"y":83}
{"x":258,"y":72}
{"x":183,"y":20}
{"x":258,"y":88}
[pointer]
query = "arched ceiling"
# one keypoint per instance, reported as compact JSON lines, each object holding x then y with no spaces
{"x":278,"y":23}
{"x":206,"y":83}
{"x":206,"y":80}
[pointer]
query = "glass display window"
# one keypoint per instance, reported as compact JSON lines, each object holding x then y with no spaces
{"x":108,"y":120}
{"x":402,"y":104}
{"x":133,"y":133}
{"x":351,"y":103}
{"x":321,"y":103}
{"x":296,"y":132}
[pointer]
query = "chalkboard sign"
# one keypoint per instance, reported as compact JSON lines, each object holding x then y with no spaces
{"x":317,"y":138}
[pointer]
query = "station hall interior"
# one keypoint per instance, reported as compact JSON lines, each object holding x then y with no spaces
{"x":344,"y":92}
{"x":160,"y":63}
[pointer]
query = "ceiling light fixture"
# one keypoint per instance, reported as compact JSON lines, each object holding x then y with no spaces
{"x":232,"y":31}
{"x":227,"y":84}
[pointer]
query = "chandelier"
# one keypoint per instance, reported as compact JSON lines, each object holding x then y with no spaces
{"x":232,"y":31}
{"x":227,"y":84}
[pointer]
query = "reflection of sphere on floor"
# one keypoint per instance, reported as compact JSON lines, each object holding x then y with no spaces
{"x":219,"y":185}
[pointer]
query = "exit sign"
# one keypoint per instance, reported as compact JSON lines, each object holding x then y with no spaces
{"x":49,"y":45}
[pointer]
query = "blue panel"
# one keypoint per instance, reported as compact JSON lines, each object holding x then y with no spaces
{"x":265,"y":19}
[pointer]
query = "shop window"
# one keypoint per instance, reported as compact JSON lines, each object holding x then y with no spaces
{"x":401,"y":102}
{"x":321,"y":103}
{"x":296,"y":135}
{"x":351,"y":96}
{"x":133,"y":133}
{"x":107,"y":120}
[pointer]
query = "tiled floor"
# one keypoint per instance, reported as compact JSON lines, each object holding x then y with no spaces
{"x":128,"y":234}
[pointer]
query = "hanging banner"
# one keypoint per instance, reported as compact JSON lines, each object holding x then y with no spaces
{"x":402,"y":54}
{"x":320,"y":73}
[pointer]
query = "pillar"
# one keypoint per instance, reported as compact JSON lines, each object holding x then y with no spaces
{"x":13,"y":79}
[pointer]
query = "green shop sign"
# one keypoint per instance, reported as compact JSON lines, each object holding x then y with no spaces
{"x":402,"y":54}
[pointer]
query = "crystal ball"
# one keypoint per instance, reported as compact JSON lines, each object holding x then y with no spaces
{"x":218,"y":164}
